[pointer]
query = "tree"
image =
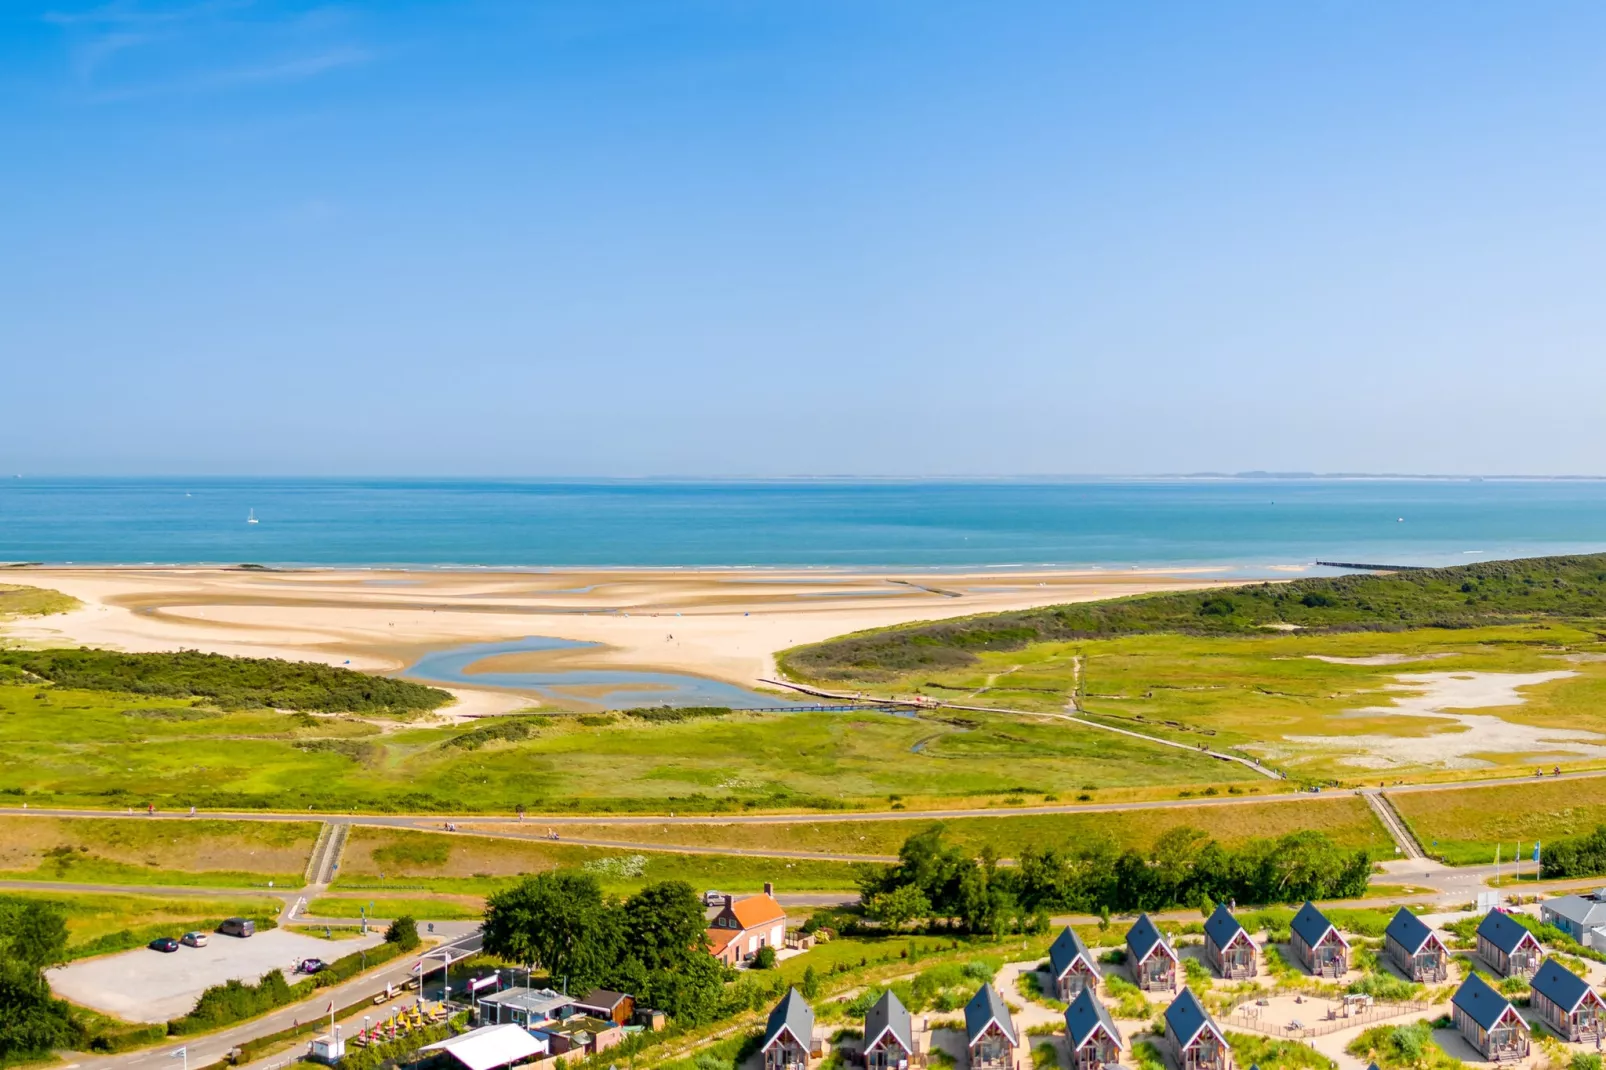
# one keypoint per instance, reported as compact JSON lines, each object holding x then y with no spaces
{"x":33,"y":933}
{"x":898,"y":906}
{"x":667,"y":964}
{"x":560,"y":921}
{"x":764,"y":958}
{"x":664,"y":925}
{"x":403,"y":932}
{"x":810,"y":988}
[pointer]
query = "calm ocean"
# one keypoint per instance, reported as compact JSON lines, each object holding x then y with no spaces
{"x":1249,"y":525}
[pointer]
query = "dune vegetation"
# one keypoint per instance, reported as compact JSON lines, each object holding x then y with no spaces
{"x":225,"y":682}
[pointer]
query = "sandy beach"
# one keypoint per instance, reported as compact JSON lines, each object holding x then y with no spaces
{"x":723,"y":624}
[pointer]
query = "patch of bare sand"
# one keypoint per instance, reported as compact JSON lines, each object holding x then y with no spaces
{"x":1380,"y":659}
{"x":1467,"y":739}
{"x":721,"y":623}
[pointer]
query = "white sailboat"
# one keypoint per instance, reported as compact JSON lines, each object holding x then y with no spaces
{"x":251,"y":516}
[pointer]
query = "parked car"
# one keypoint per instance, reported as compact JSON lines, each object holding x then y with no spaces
{"x":241,"y":927}
{"x":312,"y":966}
{"x":713,"y":899}
{"x":194,"y":939}
{"x":163,"y":943}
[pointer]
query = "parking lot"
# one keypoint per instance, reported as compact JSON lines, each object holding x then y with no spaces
{"x":152,"y":986}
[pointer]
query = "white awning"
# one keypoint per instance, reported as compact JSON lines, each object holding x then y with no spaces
{"x":491,"y":1046}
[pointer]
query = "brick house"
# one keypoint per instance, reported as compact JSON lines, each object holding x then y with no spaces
{"x":744,"y":925}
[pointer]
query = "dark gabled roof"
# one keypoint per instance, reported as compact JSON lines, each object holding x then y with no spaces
{"x":1186,"y":1016}
{"x":1221,"y":927}
{"x":1066,"y":949}
{"x":792,"y":1014}
{"x":1503,"y":931}
{"x":1560,"y":985}
{"x":602,"y":998}
{"x":1084,"y":1016}
{"x":988,"y":1006}
{"x":1480,"y":1002}
{"x":1410,"y":931}
{"x":1143,"y":938}
{"x":1312,"y":925}
{"x":889,"y":1015}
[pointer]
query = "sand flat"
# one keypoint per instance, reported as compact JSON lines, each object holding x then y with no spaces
{"x":721,"y":623}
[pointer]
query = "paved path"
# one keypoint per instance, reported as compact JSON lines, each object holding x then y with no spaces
{"x":1403,"y":840}
{"x":464,"y":936}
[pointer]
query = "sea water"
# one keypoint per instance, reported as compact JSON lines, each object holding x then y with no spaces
{"x":1250,"y":526}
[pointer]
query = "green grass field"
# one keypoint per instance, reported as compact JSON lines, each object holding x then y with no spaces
{"x":95,"y":748}
{"x":398,"y":859}
{"x":1271,"y":696}
{"x":1468,"y":823}
{"x":138,"y":850}
{"x":1346,"y":818}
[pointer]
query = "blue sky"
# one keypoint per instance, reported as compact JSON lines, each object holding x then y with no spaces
{"x":811,"y":237}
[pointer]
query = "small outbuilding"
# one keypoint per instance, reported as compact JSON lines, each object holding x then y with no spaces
{"x":1565,"y":1002}
{"x":1228,"y":947}
{"x":1072,"y":965}
{"x":616,"y":1007}
{"x":889,"y":1036}
{"x":1152,"y":960}
{"x":1508,"y":945}
{"x":1415,"y":948}
{"x":1489,"y":1021}
{"x":1091,"y":1034}
{"x":990,"y":1034}
{"x":789,"y":1034}
{"x":1196,"y":1042}
{"x":1317,"y":943}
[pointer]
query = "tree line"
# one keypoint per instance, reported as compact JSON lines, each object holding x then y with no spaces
{"x":940,"y":883}
{"x":1581,"y":856}
{"x":653,"y":945}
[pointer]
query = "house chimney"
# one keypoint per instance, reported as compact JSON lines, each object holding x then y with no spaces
{"x":769,"y":889}
{"x":730,"y":901}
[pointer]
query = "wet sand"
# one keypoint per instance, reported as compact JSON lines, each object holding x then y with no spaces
{"x":724,"y":624}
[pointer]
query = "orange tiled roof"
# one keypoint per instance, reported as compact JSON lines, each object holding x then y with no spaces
{"x":757,"y":910}
{"x":719,"y":939}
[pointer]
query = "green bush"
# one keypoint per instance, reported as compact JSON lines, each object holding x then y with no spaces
{"x":764,"y":958}
{"x":675,"y":714}
{"x":403,"y":932}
